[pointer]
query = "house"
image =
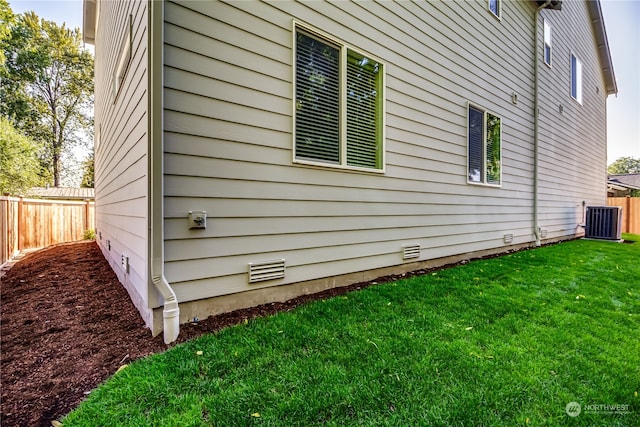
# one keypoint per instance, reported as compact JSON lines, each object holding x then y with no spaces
{"x":250,"y":151}
{"x":62,"y":193}
{"x":622,"y":185}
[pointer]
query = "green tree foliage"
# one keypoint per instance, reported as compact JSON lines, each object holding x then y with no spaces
{"x":6,"y":20}
{"x":19,"y":165}
{"x":624,"y":165}
{"x":87,"y":172}
{"x":46,"y":86}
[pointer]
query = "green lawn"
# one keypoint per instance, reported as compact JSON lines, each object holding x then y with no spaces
{"x":503,"y":341}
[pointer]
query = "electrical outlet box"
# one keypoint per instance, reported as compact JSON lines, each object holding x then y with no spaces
{"x":125,"y":263}
{"x":543,"y":233}
{"x":197,"y":220}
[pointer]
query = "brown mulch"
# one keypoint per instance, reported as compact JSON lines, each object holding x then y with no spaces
{"x":67,"y":325}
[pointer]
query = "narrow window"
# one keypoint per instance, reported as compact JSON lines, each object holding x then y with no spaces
{"x":495,"y":7}
{"x":484,"y":155}
{"x":338,"y":104}
{"x":576,"y":78}
{"x":547,"y":43}
{"x":123,"y":60}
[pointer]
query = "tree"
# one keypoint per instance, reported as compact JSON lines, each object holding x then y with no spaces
{"x":19,"y":165}
{"x":87,"y":172}
{"x":624,"y":165}
{"x":46,"y":87}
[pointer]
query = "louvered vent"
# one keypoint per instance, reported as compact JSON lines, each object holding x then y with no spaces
{"x":411,"y":251}
{"x":603,"y":222}
{"x":267,"y":270}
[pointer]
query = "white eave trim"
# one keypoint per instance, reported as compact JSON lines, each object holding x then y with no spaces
{"x":602,"y":44}
{"x":89,"y":21}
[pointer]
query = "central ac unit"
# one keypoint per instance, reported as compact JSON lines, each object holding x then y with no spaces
{"x":603,"y":222}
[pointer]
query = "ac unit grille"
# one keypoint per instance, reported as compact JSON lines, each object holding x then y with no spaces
{"x":267,"y":270}
{"x":411,"y":251}
{"x":603,"y":222}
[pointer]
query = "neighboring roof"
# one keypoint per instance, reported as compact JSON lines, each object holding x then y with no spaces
{"x":626,"y":180}
{"x":62,"y":193}
{"x":89,"y":21}
{"x":603,"y":46}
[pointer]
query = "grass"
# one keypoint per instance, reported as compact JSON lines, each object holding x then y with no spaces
{"x":503,"y":341}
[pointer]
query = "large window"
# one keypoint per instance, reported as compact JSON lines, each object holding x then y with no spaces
{"x":338,"y":104}
{"x":576,"y":78}
{"x":484,"y":158}
{"x":547,"y":43}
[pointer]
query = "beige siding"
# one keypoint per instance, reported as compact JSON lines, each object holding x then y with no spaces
{"x":228,"y":140}
{"x":121,"y":146}
{"x":572,"y":142}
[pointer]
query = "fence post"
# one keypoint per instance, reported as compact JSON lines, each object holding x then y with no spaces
{"x":21,"y":226}
{"x":628,"y":209}
{"x":86,"y":214}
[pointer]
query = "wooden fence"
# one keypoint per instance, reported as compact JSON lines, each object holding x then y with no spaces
{"x":630,"y":212}
{"x":36,"y":223}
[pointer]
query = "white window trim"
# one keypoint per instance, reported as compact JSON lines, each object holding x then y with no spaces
{"x":499,"y":15}
{"x":579,"y":78}
{"x":544,"y":43}
{"x":124,"y":59}
{"x":344,"y":47}
{"x":485,"y":111}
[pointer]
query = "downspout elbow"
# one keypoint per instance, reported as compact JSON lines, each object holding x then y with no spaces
{"x":171,"y":311}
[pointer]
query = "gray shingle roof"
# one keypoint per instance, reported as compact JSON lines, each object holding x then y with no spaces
{"x":629,"y":180}
{"x":63,"y":193}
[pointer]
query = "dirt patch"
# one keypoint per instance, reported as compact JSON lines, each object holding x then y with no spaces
{"x":67,"y":325}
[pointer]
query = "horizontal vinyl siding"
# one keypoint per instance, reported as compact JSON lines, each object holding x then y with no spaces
{"x":228,"y":140}
{"x":572,"y":142}
{"x":121,"y":153}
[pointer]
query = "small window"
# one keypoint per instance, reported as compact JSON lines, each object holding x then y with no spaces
{"x":495,"y":7}
{"x":484,"y":155}
{"x":123,"y":60}
{"x":338,"y":104}
{"x":576,"y":78}
{"x":547,"y":43}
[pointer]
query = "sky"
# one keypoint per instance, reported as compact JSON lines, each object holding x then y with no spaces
{"x":622,"y":22}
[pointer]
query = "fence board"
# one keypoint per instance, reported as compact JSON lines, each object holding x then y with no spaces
{"x":36,"y":223}
{"x":630,"y":212}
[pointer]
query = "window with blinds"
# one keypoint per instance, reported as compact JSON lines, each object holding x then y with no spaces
{"x":484,"y":151}
{"x":338,"y":104}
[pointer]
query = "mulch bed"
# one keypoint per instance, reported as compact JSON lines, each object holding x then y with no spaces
{"x":67,"y":325}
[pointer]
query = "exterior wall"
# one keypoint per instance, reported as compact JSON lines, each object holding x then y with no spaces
{"x":573,"y":152}
{"x":121,"y":122}
{"x":229,"y":139}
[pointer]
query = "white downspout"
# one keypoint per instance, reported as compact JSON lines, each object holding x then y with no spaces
{"x":171,"y":311}
{"x":536,"y":113}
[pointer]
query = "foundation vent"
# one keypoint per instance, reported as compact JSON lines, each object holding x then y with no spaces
{"x":266,"y":270}
{"x":411,"y":251}
{"x":508,"y":238}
